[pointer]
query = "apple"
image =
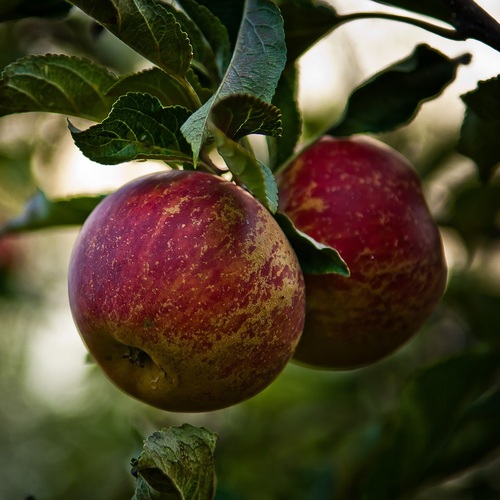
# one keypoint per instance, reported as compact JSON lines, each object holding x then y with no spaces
{"x":365,"y":199}
{"x":186,"y":291}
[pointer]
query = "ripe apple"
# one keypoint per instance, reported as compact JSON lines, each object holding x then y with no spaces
{"x":186,"y":291}
{"x":365,"y":199}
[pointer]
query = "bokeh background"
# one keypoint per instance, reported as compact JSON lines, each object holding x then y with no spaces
{"x":67,"y":433}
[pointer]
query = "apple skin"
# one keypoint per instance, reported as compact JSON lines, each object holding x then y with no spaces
{"x":196,"y":276}
{"x":365,"y":199}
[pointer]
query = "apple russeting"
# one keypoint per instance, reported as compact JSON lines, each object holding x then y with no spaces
{"x":186,"y":291}
{"x":365,"y":199}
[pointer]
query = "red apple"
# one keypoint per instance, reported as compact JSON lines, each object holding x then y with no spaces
{"x":186,"y":291}
{"x":364,"y":199}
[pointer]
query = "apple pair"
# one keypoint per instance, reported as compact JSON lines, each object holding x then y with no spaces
{"x":189,"y":296}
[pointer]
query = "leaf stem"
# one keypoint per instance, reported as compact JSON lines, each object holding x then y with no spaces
{"x":437,"y":30}
{"x":468,"y":19}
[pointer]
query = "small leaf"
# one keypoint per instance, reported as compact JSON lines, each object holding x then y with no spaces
{"x":147,"y":27}
{"x":314,"y":257}
{"x":481,"y":127}
{"x":19,"y":9}
{"x":213,"y":30}
{"x":41,"y":213}
{"x":155,"y":82}
{"x":176,"y":464}
{"x":56,"y":84}
{"x":393,"y":97}
{"x":432,"y":405}
{"x":285,"y":99}
{"x":138,"y":127}
{"x":258,"y":60}
{"x":239,"y":115}
{"x":248,"y":170}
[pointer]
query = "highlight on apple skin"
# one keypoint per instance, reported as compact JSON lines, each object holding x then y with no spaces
{"x":365,"y":199}
{"x":186,"y":292}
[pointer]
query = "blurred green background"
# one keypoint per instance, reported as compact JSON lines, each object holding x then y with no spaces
{"x":67,"y":433}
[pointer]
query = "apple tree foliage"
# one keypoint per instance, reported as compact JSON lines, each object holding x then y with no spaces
{"x":219,"y":71}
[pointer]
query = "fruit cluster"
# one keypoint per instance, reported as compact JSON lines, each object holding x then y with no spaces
{"x":190,"y":297}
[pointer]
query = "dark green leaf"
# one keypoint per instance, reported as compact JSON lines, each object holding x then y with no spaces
{"x":203,"y":56}
{"x":42,"y":213}
{"x":229,"y":12}
{"x":285,"y":99}
{"x":314,"y":257}
{"x":393,"y":97}
{"x":213,"y":30}
{"x":147,"y":27}
{"x":138,"y":127}
{"x":248,"y":170}
{"x":19,"y":9}
{"x":155,"y":82}
{"x":433,"y":403}
{"x":239,"y":115}
{"x":305,"y":23}
{"x":480,"y":134}
{"x":432,"y":8}
{"x":56,"y":84}
{"x":258,"y":60}
{"x":177,"y":464}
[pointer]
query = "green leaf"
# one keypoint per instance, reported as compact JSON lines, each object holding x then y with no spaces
{"x":285,"y":99}
{"x":176,"y":464}
{"x":229,"y":13}
{"x":433,"y":403}
{"x":155,"y":82}
{"x":251,"y":172}
{"x":138,"y":127}
{"x":41,"y":213}
{"x":213,"y":30}
{"x":203,"y":55}
{"x":56,"y":84}
{"x":432,"y":8}
{"x":314,"y":257}
{"x":480,"y":132}
{"x":19,"y":9}
{"x":239,"y":115}
{"x":255,"y":68}
{"x":393,"y":97}
{"x":305,"y":23}
{"x":147,"y":27}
